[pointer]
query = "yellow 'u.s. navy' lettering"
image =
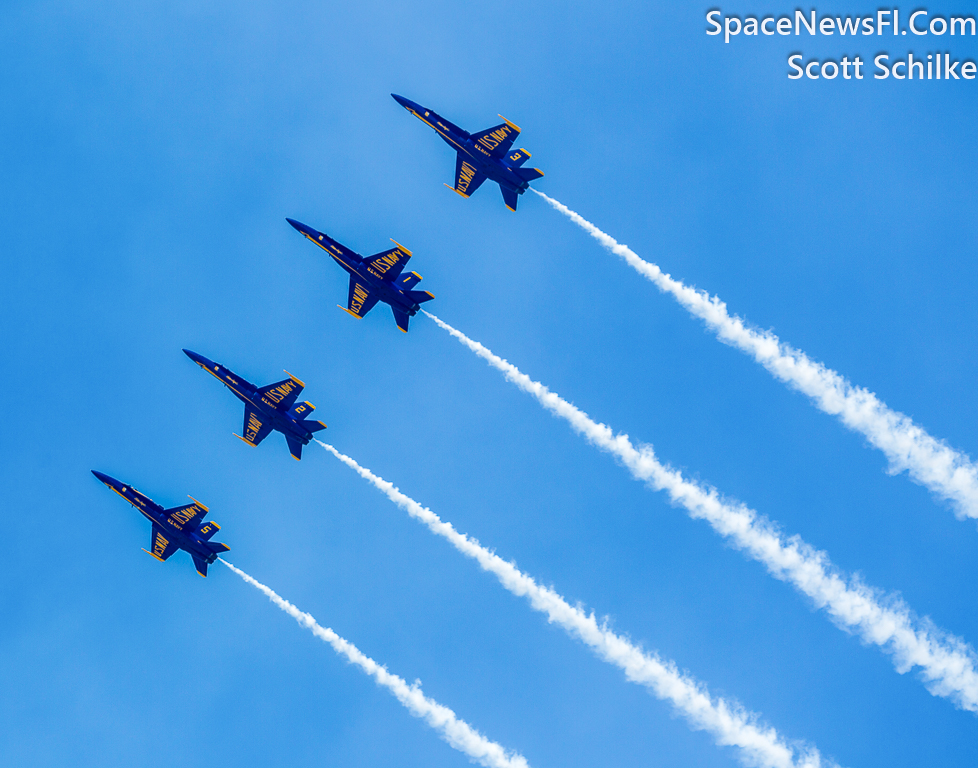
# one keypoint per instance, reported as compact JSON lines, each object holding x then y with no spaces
{"x":159,"y":545}
{"x":494,"y":138}
{"x":254,"y":425}
{"x":277,"y":394}
{"x":465,"y":175}
{"x":356,"y":300}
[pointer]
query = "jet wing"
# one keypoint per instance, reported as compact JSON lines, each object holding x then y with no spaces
{"x":497,"y":139}
{"x":282,"y":395}
{"x":162,"y":547}
{"x":388,"y":264}
{"x":255,"y":428}
{"x":467,"y":178}
{"x":360,"y":301}
{"x":187,"y":517}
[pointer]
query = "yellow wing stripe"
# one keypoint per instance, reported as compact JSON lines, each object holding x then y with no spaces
{"x":358,"y":317}
{"x":514,"y":126}
{"x":401,"y":247}
{"x":295,"y":379}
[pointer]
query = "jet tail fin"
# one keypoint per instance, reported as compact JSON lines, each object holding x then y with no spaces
{"x":217,"y":547}
{"x":528,"y":174}
{"x":313,"y":426}
{"x":419,"y":297}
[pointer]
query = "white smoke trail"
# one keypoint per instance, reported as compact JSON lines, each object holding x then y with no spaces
{"x":727,"y":722}
{"x":947,"y":664}
{"x":933,"y":464}
{"x":456,"y":732}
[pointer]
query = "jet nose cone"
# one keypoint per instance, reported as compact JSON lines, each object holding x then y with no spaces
{"x":297,"y":224}
{"x":409,"y":105}
{"x":199,"y":359}
{"x":103,"y":478}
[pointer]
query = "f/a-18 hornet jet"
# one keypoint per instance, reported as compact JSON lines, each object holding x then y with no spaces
{"x":374,"y":278}
{"x":483,"y":155}
{"x":267,"y":408}
{"x":173,"y":529}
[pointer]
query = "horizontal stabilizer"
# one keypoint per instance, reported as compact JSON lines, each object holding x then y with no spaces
{"x":313,"y":426}
{"x":217,"y":547}
{"x":517,"y":158}
{"x":528,"y":174}
{"x":401,"y":318}
{"x":409,"y":280}
{"x":419,"y":297}
{"x":509,"y":197}
{"x":200,"y":565}
{"x":295,"y":447}
{"x":208,"y":529}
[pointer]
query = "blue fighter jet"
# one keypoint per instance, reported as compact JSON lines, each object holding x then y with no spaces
{"x":267,"y":408}
{"x":483,"y":155}
{"x":374,"y":278}
{"x":173,"y":529}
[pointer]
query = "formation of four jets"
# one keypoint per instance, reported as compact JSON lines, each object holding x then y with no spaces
{"x":484,"y":155}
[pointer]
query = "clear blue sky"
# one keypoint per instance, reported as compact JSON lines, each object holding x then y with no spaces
{"x":149,"y":154}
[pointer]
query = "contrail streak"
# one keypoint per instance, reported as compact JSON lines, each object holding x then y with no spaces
{"x":727,"y":722}
{"x":456,"y":732}
{"x":947,"y":664}
{"x":930,"y":462}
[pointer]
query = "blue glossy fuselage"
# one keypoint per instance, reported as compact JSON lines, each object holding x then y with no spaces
{"x":282,"y":421}
{"x":383,"y":288}
{"x":478,"y":153}
{"x":184,"y":539}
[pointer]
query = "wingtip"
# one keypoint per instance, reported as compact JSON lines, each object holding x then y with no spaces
{"x":511,"y":124}
{"x":401,"y":247}
{"x":296,"y":379}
